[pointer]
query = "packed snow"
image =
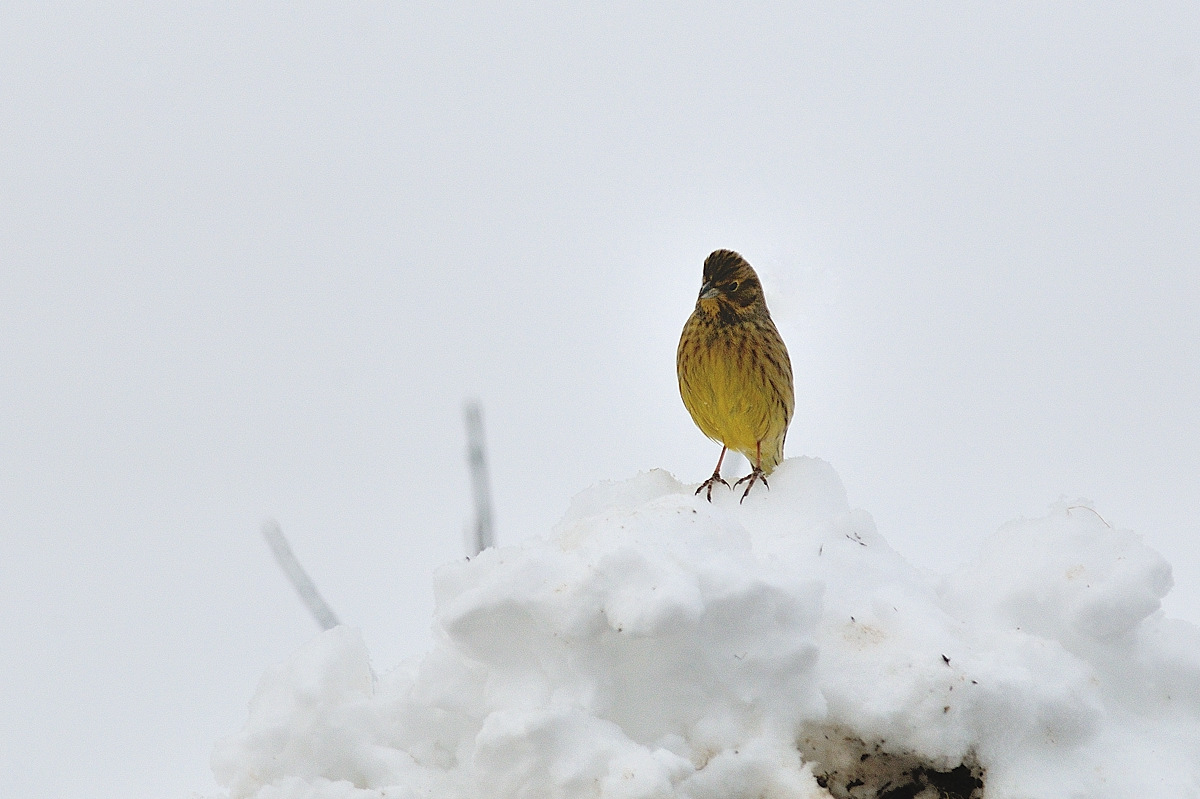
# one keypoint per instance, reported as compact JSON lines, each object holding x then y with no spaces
{"x":657,"y":645}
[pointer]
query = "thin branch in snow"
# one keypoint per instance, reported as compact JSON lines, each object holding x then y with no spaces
{"x":297,"y":576}
{"x":484,"y":536}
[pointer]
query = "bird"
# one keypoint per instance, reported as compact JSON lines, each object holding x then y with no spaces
{"x":735,"y":375}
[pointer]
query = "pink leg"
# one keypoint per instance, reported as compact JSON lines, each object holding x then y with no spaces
{"x":716,"y":477}
{"x":755,"y":474}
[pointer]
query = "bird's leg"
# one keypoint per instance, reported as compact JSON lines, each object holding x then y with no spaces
{"x":755,"y":474}
{"x":716,"y":477}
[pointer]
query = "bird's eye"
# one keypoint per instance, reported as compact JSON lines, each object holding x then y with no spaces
{"x":733,"y":286}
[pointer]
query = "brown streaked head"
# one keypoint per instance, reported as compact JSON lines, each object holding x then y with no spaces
{"x":731,"y":281}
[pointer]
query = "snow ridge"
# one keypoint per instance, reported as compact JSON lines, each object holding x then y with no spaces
{"x":658,"y":646}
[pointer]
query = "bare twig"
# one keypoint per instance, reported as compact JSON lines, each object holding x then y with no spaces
{"x":480,"y":485}
{"x":297,"y":576}
{"x":1093,"y":510}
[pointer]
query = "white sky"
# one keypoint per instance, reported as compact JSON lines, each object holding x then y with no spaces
{"x":252,"y":260}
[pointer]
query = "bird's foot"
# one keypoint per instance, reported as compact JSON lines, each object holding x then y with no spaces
{"x":716,"y":478}
{"x":757,"y":474}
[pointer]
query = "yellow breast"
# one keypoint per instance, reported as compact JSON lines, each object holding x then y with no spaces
{"x":736,"y":382}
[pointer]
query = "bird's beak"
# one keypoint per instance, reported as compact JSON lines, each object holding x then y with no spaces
{"x":707,"y":291}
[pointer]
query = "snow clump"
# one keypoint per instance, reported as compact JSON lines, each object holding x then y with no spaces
{"x":656,"y":646}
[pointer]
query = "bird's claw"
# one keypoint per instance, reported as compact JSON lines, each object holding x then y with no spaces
{"x":716,"y":478}
{"x":757,"y":474}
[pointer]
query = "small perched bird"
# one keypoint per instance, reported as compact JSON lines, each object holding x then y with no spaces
{"x":735,"y":375}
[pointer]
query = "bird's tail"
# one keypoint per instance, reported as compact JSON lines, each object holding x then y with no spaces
{"x":772,"y":456}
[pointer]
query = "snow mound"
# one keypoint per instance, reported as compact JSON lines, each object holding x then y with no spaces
{"x":656,"y":645}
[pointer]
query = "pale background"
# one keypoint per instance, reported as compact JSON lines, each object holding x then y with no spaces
{"x":252,"y":261}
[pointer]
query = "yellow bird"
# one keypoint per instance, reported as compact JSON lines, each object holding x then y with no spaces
{"x":735,"y":375}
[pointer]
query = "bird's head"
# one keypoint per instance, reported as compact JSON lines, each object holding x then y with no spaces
{"x":730,"y":285}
